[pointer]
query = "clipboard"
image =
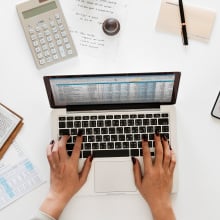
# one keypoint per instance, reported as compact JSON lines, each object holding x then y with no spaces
{"x":13,"y":134}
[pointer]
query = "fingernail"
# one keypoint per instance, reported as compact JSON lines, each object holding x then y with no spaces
{"x":170,"y":147}
{"x":133,"y":160}
{"x":157,"y":132}
{"x":91,"y":158}
{"x":144,"y":137}
{"x":80,"y":132}
{"x":164,"y":137}
{"x":52,"y":142}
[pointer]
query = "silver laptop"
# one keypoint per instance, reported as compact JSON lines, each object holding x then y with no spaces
{"x":113,"y":111}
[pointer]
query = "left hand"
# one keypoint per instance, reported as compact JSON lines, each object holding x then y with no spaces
{"x":65,"y":180}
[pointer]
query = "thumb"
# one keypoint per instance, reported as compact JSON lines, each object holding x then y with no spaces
{"x":85,"y":170}
{"x":137,"y":173}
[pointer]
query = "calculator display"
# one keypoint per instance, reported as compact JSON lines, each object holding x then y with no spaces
{"x":39,"y":10}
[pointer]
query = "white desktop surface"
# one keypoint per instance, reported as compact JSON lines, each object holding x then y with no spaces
{"x":142,"y":49}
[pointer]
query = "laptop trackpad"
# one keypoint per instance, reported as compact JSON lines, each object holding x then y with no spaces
{"x":114,"y":176}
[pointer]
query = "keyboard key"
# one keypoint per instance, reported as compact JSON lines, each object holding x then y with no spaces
{"x":95,"y":146}
{"x":109,"y":116}
{"x":118,"y":145}
{"x":110,"y":153}
{"x":135,"y":152}
{"x":64,"y":132}
{"x":69,"y":124}
{"x":62,"y":124}
{"x":86,"y":154}
{"x":106,"y":138}
{"x":110,"y":145}
{"x":165,"y":128}
{"x":100,"y":123}
{"x":163,"y":121}
{"x":111,"y":130}
{"x":102,"y":145}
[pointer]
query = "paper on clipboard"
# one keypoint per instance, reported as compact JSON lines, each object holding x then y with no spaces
{"x":199,"y":21}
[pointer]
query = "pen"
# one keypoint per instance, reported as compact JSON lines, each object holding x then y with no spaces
{"x":183,"y":23}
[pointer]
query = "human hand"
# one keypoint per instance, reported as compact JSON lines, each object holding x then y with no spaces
{"x":156,"y":183}
{"x":65,"y":180}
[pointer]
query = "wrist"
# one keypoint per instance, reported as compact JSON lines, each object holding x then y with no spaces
{"x":162,"y":210}
{"x":53,"y":205}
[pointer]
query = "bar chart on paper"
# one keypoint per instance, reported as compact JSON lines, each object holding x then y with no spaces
{"x":18,"y":176}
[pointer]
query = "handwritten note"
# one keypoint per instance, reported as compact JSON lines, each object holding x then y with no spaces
{"x":86,"y":20}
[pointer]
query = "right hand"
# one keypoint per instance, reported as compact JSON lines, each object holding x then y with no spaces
{"x":156,"y":183}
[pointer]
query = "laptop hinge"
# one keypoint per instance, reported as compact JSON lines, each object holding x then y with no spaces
{"x":73,"y":108}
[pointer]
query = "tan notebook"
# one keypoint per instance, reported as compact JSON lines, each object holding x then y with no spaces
{"x":199,"y":21}
{"x":10,"y":125}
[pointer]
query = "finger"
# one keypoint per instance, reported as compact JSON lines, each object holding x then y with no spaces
{"x":137,"y":173}
{"x":62,"y":147}
{"x":172,"y":161}
{"x":77,"y":147}
{"x":85,"y":170}
{"x":49,"y":153}
{"x":55,"y":154}
{"x":146,"y":154}
{"x":166,"y":152}
{"x":158,"y":149}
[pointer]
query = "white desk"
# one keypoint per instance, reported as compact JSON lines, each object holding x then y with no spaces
{"x":141,"y":49}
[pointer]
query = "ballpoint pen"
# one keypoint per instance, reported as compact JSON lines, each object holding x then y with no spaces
{"x":183,"y":23}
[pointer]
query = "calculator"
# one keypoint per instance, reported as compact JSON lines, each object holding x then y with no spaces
{"x":46,"y":31}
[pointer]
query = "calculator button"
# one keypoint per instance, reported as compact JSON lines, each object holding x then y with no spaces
{"x":56,"y":36}
{"x":49,"y":59}
{"x":40,"y":55}
{"x":62,"y":51}
{"x":63,"y":33}
{"x":37,"y":49}
{"x":47,"y":32}
{"x":44,"y":26}
{"x":49,"y":39}
{"x":33,"y":37}
{"x":59,"y":42}
{"x":53,"y":51}
{"x":46,"y":53}
{"x":70,"y":52}
{"x":51,"y":45}
{"x":31,"y":31}
{"x":37,"y":28}
{"x":42,"y":41}
{"x":52,"y":23}
{"x":42,"y":61}
{"x":59,"y":21}
{"x":35,"y":43}
{"x":61,"y":27}
{"x":65,"y":40}
{"x":44,"y":47}
{"x":68,"y":46}
{"x":54,"y":29}
{"x":55,"y":57}
{"x":40,"y":35}
{"x":57,"y":16}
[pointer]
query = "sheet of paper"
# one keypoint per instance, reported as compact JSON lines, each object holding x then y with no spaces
{"x":8,"y":122}
{"x":18,"y":176}
{"x":199,"y":21}
{"x":85,"y":20}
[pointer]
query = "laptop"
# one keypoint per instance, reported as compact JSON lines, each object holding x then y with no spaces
{"x":113,"y":111}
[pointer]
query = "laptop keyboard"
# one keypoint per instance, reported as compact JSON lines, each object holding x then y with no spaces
{"x":113,"y":135}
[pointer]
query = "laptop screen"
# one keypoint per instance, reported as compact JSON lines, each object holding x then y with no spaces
{"x":112,"y":89}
